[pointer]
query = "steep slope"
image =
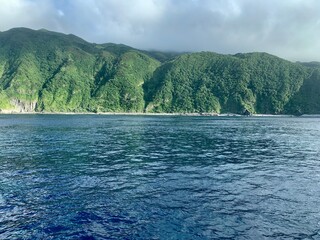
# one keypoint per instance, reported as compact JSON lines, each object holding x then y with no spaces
{"x":118,"y":83}
{"x":32,"y":59}
{"x":307,"y":99}
{"x":273,"y":81}
{"x":209,"y":82}
{"x":48,"y":71}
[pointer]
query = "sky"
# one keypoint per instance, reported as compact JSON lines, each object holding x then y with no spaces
{"x":287,"y":28}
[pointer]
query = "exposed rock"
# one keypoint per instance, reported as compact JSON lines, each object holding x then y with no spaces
{"x":246,"y":112}
{"x":24,"y":106}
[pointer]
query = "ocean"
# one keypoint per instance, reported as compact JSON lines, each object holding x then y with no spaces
{"x":159,"y":177}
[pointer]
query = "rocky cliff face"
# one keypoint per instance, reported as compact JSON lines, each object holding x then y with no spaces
{"x":24,"y":106}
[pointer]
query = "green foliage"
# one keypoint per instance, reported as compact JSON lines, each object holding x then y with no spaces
{"x":63,"y":73}
{"x":5,"y":102}
{"x":199,"y":82}
{"x":208,"y":82}
{"x":120,"y":80}
{"x":307,"y":99}
{"x":68,"y":90}
{"x":53,"y":72}
{"x":272,"y":80}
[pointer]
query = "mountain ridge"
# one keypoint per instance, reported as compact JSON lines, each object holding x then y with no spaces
{"x":45,"y":71}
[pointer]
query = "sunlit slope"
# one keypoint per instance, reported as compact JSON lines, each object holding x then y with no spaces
{"x":47,"y":71}
{"x":43,"y":71}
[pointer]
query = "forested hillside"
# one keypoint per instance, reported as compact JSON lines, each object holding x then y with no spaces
{"x":46,"y":71}
{"x":209,"y":82}
{"x":43,"y":71}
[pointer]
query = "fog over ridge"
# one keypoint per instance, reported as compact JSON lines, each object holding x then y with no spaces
{"x":286,"y":28}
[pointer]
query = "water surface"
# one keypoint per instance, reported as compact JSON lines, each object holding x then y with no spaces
{"x":144,"y":177}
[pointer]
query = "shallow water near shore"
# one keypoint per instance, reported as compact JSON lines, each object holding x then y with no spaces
{"x":159,"y":177}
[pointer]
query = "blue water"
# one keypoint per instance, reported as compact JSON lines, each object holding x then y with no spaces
{"x":141,"y":177}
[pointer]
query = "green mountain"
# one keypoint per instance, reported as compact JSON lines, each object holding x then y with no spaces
{"x":53,"y":72}
{"x":307,"y":99}
{"x":45,"y":71}
{"x":209,"y":82}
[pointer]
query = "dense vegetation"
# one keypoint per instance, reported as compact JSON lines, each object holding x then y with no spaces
{"x":209,"y":82}
{"x":45,"y":71}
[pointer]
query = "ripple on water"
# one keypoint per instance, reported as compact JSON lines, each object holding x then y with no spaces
{"x":127,"y":177}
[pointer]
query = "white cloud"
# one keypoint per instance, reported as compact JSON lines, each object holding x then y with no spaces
{"x":26,"y":13}
{"x":287,"y":28}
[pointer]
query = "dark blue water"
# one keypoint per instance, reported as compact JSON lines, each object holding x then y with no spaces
{"x":138,"y":177}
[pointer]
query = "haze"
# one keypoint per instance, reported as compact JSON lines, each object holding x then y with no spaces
{"x":286,"y":28}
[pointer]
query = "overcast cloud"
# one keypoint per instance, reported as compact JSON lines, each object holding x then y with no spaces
{"x":286,"y":28}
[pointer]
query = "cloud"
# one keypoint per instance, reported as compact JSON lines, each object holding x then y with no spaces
{"x":287,"y":28}
{"x":27,"y":13}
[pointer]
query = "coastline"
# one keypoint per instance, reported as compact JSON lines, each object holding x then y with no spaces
{"x":9,"y":112}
